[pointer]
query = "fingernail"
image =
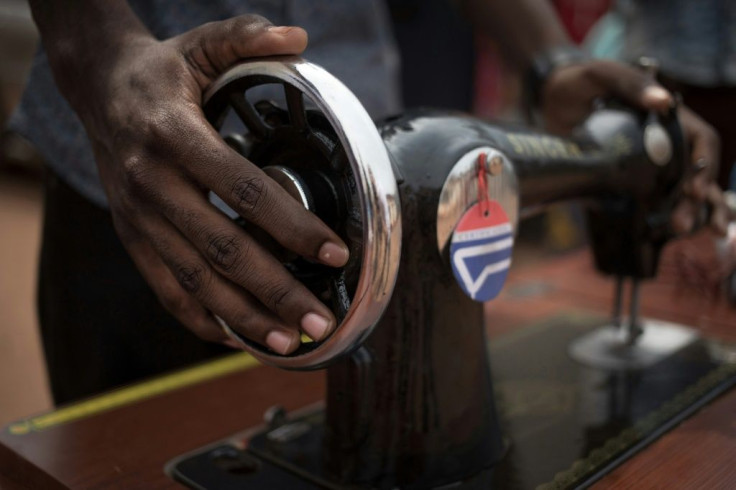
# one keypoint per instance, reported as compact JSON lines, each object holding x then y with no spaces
{"x":657,"y":93}
{"x":280,"y":342}
{"x":333,"y":254}
{"x":283,"y":30}
{"x":316,"y":326}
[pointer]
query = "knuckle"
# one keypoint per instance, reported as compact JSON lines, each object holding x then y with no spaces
{"x":249,"y":22}
{"x":204,"y":53}
{"x":224,"y":251}
{"x":249,"y":194}
{"x":191,"y":277}
{"x":135,"y":173}
{"x":188,"y":219}
{"x":126,"y":205}
{"x":196,"y":57}
{"x":277,"y":295}
{"x":162,"y":131}
{"x":131,"y":203}
{"x":176,"y":303}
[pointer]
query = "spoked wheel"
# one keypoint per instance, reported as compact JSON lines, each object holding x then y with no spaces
{"x":321,"y":146}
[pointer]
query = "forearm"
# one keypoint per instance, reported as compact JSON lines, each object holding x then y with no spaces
{"x":82,"y":36}
{"x":523,"y":28}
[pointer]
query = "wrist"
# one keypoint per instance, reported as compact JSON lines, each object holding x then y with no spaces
{"x":81,"y":37}
{"x":75,"y":55}
{"x":542,"y":65}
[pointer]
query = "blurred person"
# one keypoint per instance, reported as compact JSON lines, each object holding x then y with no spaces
{"x":131,"y":194}
{"x":692,"y":45}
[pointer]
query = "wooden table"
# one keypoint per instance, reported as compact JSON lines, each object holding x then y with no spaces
{"x":123,"y":439}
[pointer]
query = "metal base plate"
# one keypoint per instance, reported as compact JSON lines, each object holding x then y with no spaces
{"x":567,"y":423}
{"x":608,"y":347}
{"x":288,"y":456}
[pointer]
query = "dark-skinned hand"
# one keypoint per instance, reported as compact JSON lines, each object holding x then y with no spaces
{"x":568,"y":97}
{"x":158,"y":158}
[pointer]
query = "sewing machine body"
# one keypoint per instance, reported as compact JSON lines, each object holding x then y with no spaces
{"x":412,"y":405}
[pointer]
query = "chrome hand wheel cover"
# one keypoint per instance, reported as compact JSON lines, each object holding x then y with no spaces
{"x":372,"y":173}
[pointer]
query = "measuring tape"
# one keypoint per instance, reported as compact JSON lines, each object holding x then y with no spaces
{"x":126,"y":396}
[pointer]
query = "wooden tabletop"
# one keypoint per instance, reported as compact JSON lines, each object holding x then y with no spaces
{"x":124,"y":439}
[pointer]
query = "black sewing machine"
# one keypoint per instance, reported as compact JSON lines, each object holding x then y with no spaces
{"x":429,"y":203}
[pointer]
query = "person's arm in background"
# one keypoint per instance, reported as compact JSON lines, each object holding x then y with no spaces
{"x":528,"y":29}
{"x":139,"y":99}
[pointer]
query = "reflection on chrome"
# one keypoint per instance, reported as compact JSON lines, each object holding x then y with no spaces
{"x":460,"y":191}
{"x":377,"y":190}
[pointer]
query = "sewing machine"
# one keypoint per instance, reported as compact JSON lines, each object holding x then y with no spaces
{"x":429,"y":204}
{"x":410,"y":400}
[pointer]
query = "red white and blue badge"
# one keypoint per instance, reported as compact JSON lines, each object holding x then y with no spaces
{"x":481,"y":246}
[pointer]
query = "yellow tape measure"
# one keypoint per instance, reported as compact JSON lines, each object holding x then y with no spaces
{"x":125,"y":396}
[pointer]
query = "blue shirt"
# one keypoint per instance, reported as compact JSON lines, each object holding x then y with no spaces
{"x":694,"y":41}
{"x":350,"y":38}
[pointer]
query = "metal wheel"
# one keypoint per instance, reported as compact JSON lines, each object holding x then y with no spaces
{"x":323,"y":148}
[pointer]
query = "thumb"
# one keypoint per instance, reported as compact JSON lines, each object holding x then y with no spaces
{"x":632,"y":85}
{"x":214,"y":47}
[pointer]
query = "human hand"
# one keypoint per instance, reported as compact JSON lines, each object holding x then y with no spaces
{"x":704,"y":264}
{"x":158,"y":157}
{"x":570,"y":91}
{"x":702,"y":198}
{"x":568,"y":97}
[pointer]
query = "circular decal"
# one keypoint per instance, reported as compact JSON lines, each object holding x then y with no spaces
{"x":480,"y":250}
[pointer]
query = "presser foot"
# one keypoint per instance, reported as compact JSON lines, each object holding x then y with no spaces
{"x":611,"y":347}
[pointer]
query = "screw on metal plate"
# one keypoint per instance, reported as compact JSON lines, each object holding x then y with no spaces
{"x":280,"y":429}
{"x":495,"y":165}
{"x":289,"y":432}
{"x":275,"y":417}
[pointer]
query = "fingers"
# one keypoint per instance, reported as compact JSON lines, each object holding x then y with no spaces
{"x":683,"y":217}
{"x":699,"y":189}
{"x":236,"y":256}
{"x":690,"y":214}
{"x":261,"y":201}
{"x":568,"y":98}
{"x":570,"y":91}
{"x":720,"y":216}
{"x":630,"y":84}
{"x":256,"y":197}
{"x":171,"y":295}
{"x":705,"y":153}
{"x":215,"y":46}
{"x":196,"y":278}
{"x":200,"y":262}
{"x":605,"y":78}
{"x":212,"y":48}
{"x":186,"y":143}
